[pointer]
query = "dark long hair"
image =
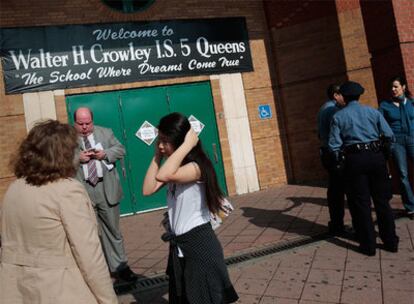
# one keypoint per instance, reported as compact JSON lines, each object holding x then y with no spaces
{"x":47,"y":153}
{"x":174,"y":127}
{"x":403,"y":82}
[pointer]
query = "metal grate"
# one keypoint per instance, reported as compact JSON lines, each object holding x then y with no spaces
{"x":275,"y":248}
{"x":141,"y":285}
{"x":159,"y":281}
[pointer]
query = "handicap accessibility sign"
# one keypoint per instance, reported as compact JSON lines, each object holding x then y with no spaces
{"x":265,"y":112}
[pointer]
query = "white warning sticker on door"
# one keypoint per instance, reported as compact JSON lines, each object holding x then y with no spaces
{"x":197,"y":125}
{"x":147,"y":133}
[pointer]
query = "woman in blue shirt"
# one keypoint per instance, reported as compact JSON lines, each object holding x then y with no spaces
{"x":399,"y":113}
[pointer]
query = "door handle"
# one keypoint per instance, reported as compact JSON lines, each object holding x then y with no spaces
{"x":215,"y":153}
{"x":122,"y":161}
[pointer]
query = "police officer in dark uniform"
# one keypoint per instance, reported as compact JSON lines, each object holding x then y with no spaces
{"x":336,"y":182}
{"x":356,"y":131}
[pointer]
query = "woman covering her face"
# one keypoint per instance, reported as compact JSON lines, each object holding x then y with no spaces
{"x":51,"y":252}
{"x":399,"y":113}
{"x":198,"y":274}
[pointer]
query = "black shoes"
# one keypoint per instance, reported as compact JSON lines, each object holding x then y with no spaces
{"x":125,"y":280}
{"x":125,"y":275}
{"x":409,"y":214}
{"x":342,"y":231}
{"x":392,"y":247}
{"x":336,"y":230}
{"x":367,"y":251}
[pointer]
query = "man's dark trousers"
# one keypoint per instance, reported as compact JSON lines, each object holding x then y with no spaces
{"x":336,"y":193}
{"x":367,"y":176}
{"x":336,"y":200}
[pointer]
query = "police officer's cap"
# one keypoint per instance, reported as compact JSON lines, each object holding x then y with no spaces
{"x":351,"y":88}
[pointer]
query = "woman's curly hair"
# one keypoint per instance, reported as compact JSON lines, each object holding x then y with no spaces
{"x":47,"y":153}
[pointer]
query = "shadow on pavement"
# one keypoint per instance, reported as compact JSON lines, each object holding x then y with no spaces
{"x":280,"y":220}
{"x":285,"y":222}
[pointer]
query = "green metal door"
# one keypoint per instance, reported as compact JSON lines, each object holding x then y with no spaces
{"x":126,"y":111}
{"x":106,"y":113}
{"x":139,"y":106}
{"x":196,"y":99}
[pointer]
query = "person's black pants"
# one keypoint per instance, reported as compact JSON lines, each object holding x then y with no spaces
{"x":335,"y":194}
{"x":336,"y":200}
{"x":367,"y":176}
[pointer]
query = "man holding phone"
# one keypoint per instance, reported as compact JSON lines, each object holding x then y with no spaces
{"x":99,"y":151}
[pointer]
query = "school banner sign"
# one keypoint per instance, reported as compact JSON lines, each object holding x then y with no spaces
{"x":59,"y":57}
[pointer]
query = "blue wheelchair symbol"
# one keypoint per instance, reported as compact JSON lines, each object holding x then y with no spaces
{"x":265,"y":112}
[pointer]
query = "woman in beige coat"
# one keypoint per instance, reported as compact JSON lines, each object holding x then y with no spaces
{"x":51,"y":252}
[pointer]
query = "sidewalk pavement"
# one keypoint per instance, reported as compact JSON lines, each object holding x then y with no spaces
{"x":329,"y":271}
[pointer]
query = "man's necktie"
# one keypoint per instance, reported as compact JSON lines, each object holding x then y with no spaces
{"x":405,"y":123}
{"x":92,"y":173}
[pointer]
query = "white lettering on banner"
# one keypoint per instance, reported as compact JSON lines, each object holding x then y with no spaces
{"x":228,"y":63}
{"x":167,"y":31}
{"x":98,"y":54}
{"x":94,"y":59}
{"x":145,"y":68}
{"x":44,"y":60}
{"x":32,"y":79}
{"x":56,"y":76}
{"x":164,"y":50}
{"x":106,"y":72}
{"x":123,"y":34}
{"x":78,"y":55}
{"x":206,"y":49}
{"x":195,"y":65}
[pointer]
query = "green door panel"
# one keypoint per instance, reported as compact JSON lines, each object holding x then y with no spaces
{"x":105,"y":108}
{"x":125,"y":112}
{"x":196,"y":99}
{"x":139,"y":106}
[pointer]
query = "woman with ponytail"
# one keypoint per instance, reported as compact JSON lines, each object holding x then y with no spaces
{"x":196,"y":267}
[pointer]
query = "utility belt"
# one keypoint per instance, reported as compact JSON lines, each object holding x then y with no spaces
{"x":332,"y":161}
{"x":373,"y":146}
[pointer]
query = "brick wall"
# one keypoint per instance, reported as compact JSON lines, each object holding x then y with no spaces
{"x":385,"y":48}
{"x":355,"y":48}
{"x":392,"y":51}
{"x":315,"y":43}
{"x":309,"y":56}
{"x":258,"y":85}
{"x":404,"y":12}
{"x":12,"y":131}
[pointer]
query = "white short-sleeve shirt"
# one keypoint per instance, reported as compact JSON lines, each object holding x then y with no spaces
{"x":187,"y":207}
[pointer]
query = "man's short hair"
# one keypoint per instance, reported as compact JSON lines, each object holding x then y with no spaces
{"x":351,"y":88}
{"x":331,"y":90}
{"x":76,"y":111}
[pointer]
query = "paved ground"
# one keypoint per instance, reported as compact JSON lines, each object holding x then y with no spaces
{"x":328,"y":271}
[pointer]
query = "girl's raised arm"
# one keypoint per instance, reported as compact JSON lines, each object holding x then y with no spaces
{"x":172,"y":171}
{"x":151,"y":184}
